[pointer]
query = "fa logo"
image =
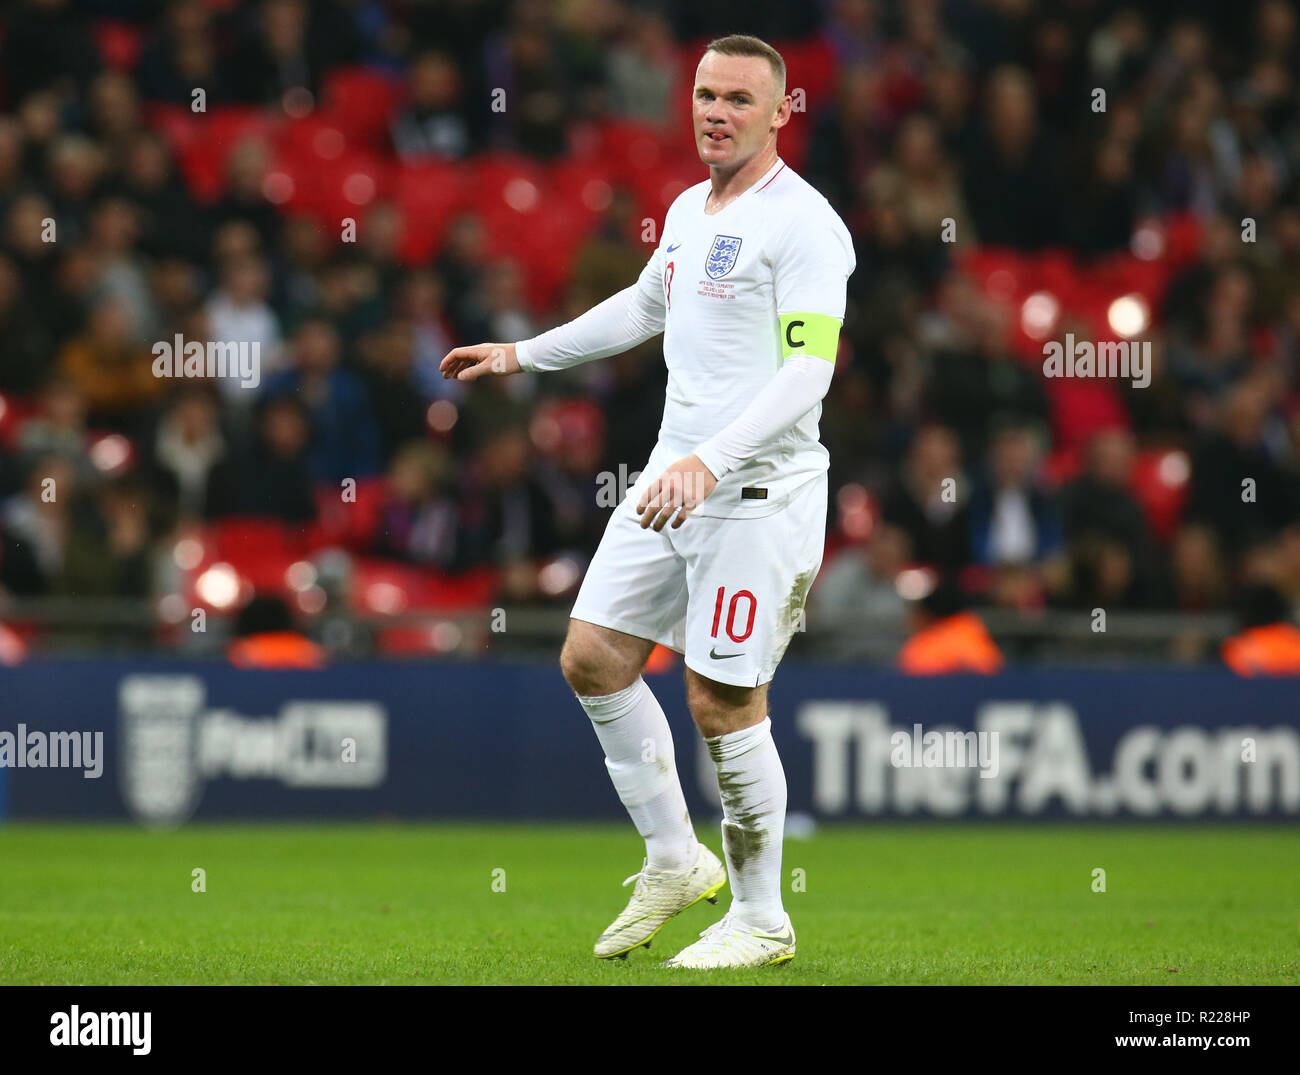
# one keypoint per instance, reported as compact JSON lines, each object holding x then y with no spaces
{"x":721,"y":258}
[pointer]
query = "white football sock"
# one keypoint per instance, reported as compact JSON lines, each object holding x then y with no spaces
{"x":752,"y":785}
{"x":638,"y":746}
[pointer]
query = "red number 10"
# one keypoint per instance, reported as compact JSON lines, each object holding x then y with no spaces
{"x":731,"y":615}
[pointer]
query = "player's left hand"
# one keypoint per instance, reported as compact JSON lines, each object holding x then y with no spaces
{"x":676,"y":491}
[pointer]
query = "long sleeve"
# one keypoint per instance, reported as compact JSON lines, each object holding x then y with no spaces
{"x":799,"y":385}
{"x":620,"y":322}
{"x":812,"y":259}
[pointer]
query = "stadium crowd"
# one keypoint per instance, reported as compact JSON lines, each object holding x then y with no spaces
{"x":946,"y":133}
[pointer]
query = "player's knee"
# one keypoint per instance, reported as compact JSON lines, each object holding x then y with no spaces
{"x":718,"y":708}
{"x":589,"y":668}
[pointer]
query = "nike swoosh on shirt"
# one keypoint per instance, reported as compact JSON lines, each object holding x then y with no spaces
{"x":723,"y":656}
{"x":672,"y":248}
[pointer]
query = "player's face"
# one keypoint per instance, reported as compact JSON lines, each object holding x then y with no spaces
{"x":734,"y":107}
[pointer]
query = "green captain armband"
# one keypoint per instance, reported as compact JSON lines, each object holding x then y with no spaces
{"x":810,"y":334}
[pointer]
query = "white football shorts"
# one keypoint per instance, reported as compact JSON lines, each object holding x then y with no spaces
{"x":727,"y":593}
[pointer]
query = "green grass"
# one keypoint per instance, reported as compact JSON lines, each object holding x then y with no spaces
{"x":408,"y":904}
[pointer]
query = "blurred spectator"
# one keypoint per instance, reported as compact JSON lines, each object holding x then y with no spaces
{"x":642,"y":69}
{"x":1268,"y":644}
{"x":111,"y":369}
{"x":507,"y":517}
{"x":847,"y":139}
{"x":925,"y":183}
{"x":182,"y":55}
{"x":1013,"y":520}
{"x":462,"y":266}
{"x":419,"y":514}
{"x":35,"y":257}
{"x":168,"y":224}
{"x":946,"y":639}
{"x":75,"y":167}
{"x":115,"y":118}
{"x":1239,"y":486}
{"x":1098,"y":502}
{"x":47,"y":45}
{"x":244,"y":195}
{"x":421,"y":303}
{"x":570,"y":435}
{"x":344,"y":437}
{"x":929,"y":502}
{"x":188,"y":445}
{"x":1112,"y":561}
{"x":290,"y":46}
{"x":862,"y":579}
{"x":274,"y":478}
{"x":974,"y":382}
{"x":265,"y":637}
{"x":380,"y":246}
{"x":120,"y":272}
{"x":40,"y":520}
{"x":29,"y":339}
{"x":58,"y":428}
{"x":108,"y":549}
{"x":432,"y":122}
{"x":399,"y":408}
{"x":506,"y":308}
{"x":525,"y":64}
{"x":1200,"y":578}
{"x":238,"y":312}
{"x":1011,"y":173}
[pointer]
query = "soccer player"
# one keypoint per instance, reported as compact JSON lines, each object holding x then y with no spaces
{"x":714,"y":548}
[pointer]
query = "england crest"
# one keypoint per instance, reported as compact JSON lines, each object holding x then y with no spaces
{"x":722,"y":256}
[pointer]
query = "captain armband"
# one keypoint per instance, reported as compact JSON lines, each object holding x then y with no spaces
{"x":810,"y":334}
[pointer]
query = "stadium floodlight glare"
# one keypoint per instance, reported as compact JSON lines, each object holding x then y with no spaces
{"x":1128,"y":316}
{"x":1038,"y":314}
{"x":916,"y":583}
{"x":218,"y":586}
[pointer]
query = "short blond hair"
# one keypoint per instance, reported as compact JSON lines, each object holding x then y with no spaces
{"x":744,"y":45}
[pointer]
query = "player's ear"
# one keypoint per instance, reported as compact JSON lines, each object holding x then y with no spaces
{"x":784,"y":110}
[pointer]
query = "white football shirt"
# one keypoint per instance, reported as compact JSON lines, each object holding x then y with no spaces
{"x":716,"y":287}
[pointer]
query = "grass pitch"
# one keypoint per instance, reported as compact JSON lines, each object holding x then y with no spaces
{"x":415,"y":904}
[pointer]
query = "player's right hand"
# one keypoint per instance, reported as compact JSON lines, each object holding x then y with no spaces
{"x":471,"y":363}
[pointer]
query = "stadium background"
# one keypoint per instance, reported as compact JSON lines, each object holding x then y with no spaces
{"x":233,"y":580}
{"x":202,"y":592}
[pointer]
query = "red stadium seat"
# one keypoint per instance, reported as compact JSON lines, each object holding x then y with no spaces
{"x":349,"y":525}
{"x":260,"y":551}
{"x":232,"y":536}
{"x":548,"y":248}
{"x":584,"y":182}
{"x":313,"y":137}
{"x":631,"y":146}
{"x":362,"y":102}
{"x":119,"y":43}
{"x":811,"y":66}
{"x":1161,"y":482}
{"x":334,"y":189}
{"x":203,"y":153}
{"x":506,"y":181}
{"x":428,"y":194}
{"x":1081,"y":407}
{"x":14,"y":411}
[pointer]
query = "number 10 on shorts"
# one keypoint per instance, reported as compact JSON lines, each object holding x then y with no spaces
{"x":731,"y":614}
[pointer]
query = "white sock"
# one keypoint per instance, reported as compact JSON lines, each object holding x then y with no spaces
{"x":752,"y":785}
{"x":638,"y":745}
